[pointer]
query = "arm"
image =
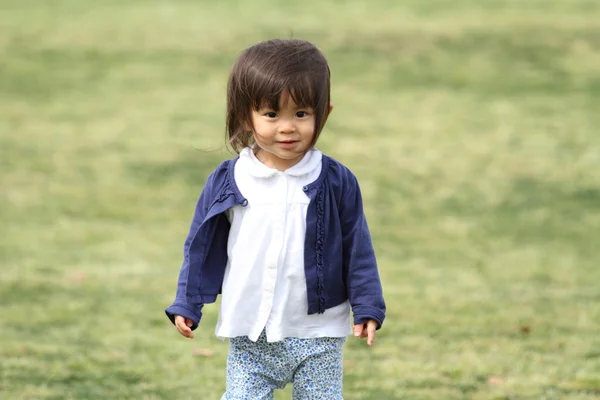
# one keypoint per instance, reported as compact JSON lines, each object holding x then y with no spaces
{"x":360,"y":266}
{"x":181,"y":305}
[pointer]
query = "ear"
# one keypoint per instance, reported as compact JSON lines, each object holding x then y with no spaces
{"x":330,"y":108}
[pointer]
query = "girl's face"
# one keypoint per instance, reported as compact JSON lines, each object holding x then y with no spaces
{"x":283,"y":137}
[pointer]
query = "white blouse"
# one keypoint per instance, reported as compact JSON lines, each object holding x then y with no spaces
{"x":265,"y":286}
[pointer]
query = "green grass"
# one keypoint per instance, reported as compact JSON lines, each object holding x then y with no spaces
{"x":471,"y":124}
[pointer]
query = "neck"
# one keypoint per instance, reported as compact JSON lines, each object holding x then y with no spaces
{"x":275,"y":162}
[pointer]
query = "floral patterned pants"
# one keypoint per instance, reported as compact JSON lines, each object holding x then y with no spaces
{"x":313,"y":366}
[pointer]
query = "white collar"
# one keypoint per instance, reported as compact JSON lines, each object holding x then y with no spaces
{"x":253,"y":166}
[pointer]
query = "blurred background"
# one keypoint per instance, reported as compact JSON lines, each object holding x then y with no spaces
{"x":472,"y":126}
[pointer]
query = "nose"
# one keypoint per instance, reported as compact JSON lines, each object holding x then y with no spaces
{"x":286,"y":126}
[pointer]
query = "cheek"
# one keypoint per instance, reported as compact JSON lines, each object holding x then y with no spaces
{"x":263,"y":130}
{"x":260,"y":139}
{"x":308,"y":127}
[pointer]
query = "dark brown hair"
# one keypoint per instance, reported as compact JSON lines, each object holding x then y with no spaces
{"x":263,"y":72}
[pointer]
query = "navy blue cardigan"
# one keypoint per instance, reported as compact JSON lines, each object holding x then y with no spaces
{"x":339,"y":259}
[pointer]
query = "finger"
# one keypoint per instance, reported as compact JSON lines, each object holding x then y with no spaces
{"x":364,"y":333}
{"x":187,"y":332}
{"x":189,"y":322}
{"x":360,"y":331}
{"x":183,"y":328}
{"x":371,"y":328}
{"x":180,"y":324}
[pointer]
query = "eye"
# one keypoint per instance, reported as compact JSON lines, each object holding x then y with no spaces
{"x":271,"y":114}
{"x":301,"y":114}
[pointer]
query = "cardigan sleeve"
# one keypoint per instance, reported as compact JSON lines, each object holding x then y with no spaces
{"x":360,"y":265}
{"x":182,"y":305}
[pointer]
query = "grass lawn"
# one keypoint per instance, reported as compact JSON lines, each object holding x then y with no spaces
{"x":472,"y":125}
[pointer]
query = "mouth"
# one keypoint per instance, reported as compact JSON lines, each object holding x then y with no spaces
{"x":288,"y":144}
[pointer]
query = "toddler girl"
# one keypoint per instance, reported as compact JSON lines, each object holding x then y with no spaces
{"x":280,"y":233}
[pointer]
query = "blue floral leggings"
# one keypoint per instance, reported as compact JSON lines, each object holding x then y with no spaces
{"x":313,"y":366}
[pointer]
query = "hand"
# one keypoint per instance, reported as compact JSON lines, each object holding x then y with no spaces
{"x":184,"y":326}
{"x":366,"y":330}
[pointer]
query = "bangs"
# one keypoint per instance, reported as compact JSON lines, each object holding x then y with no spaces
{"x":268,"y":94}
